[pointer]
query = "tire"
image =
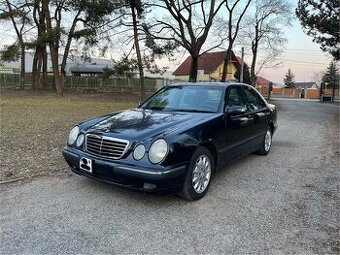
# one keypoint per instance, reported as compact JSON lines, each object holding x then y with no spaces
{"x":198,"y":176}
{"x":267,"y":142}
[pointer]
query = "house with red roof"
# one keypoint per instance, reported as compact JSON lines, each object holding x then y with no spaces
{"x":210,"y":67}
{"x":262,"y":82}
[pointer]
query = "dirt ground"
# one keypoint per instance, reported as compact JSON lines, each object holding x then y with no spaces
{"x":34,"y":127}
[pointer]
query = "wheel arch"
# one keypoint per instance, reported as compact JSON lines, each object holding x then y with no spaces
{"x":212,"y":149}
{"x":271,"y":125}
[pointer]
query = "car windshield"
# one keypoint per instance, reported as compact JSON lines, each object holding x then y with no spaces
{"x":186,"y":98}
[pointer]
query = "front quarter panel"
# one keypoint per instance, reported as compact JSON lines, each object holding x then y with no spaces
{"x":183,"y":143}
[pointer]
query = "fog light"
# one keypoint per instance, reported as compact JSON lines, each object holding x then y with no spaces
{"x":149,"y":186}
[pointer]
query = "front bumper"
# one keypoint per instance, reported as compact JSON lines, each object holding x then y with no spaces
{"x":128,"y":175}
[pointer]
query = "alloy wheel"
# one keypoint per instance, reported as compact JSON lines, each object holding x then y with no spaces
{"x":268,"y":141}
{"x":201,"y":174}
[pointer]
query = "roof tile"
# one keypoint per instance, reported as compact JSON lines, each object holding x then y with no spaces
{"x":208,"y":62}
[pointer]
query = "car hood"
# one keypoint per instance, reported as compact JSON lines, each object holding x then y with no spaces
{"x":138,"y":124}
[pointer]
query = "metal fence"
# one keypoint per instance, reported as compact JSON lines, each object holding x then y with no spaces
{"x":87,"y":83}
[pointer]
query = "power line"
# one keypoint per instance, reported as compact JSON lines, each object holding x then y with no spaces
{"x":302,"y":50}
{"x":306,"y":62}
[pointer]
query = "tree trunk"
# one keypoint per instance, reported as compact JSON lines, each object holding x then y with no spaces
{"x":54,"y":50}
{"x":68,"y":43}
{"x":21,"y":43}
{"x":193,"y":68}
{"x":38,"y":76}
{"x":42,"y":22}
{"x":254,"y":47}
{"x":252,"y":73}
{"x":225,"y":66}
{"x":57,"y":78}
{"x":253,"y":64}
{"x":44,"y":68}
{"x":22,"y":68}
{"x":35,"y":69}
{"x":139,"y":57}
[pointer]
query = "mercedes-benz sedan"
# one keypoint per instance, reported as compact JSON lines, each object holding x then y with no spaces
{"x":175,"y":140}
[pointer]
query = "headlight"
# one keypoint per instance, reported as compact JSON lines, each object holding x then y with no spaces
{"x":73,"y":135}
{"x":158,"y":151}
{"x":80,"y":140}
{"x":139,"y":152}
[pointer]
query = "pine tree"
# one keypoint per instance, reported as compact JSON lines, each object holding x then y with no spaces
{"x":332,"y":77}
{"x":289,"y":79}
{"x":320,"y":19}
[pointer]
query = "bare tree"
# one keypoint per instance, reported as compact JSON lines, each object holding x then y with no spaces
{"x":137,"y":9}
{"x":187,"y":23}
{"x":18,"y":14}
{"x":233,"y":29}
{"x":317,"y":77}
{"x":266,"y":32}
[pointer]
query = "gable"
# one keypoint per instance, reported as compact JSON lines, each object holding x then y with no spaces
{"x":208,"y":62}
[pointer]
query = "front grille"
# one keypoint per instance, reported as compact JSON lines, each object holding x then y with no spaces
{"x":106,"y":146}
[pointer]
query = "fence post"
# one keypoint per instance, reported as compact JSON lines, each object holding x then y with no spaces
{"x":71,"y":81}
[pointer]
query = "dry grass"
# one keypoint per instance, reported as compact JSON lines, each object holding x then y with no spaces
{"x":34,"y":128}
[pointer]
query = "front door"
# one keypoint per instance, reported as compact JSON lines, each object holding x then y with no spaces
{"x":237,"y":125}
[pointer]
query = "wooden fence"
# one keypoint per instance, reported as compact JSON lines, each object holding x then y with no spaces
{"x":310,"y":93}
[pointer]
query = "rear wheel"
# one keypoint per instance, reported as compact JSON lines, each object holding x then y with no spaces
{"x":267,"y":142}
{"x":198,"y":175}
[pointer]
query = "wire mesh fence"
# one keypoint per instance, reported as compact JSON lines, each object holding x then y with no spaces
{"x":88,"y":83}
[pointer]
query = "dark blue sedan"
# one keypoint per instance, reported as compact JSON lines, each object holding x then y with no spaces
{"x":175,"y":140}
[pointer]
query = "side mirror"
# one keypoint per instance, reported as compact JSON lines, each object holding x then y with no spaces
{"x":140,"y":103}
{"x":236,"y":110}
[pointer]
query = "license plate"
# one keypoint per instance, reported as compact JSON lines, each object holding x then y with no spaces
{"x":86,"y":164}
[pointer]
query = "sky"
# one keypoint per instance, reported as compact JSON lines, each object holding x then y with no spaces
{"x":302,"y":55}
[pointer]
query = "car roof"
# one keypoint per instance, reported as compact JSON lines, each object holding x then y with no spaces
{"x":207,"y":84}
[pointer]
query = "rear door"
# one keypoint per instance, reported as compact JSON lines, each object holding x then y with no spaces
{"x":260,"y":113}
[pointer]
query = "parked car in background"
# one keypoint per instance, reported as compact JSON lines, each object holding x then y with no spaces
{"x":175,"y":140}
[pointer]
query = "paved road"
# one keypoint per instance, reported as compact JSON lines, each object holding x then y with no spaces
{"x":287,"y":202}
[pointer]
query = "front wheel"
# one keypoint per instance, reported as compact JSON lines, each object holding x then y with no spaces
{"x":198,"y":175}
{"x":267,"y":142}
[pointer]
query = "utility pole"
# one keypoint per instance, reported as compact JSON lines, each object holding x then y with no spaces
{"x":242,"y":63}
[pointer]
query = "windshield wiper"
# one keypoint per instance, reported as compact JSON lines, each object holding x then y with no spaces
{"x":153,"y":108}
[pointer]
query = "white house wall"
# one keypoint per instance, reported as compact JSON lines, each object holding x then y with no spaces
{"x":70,"y":62}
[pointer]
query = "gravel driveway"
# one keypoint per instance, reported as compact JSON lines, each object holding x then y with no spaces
{"x":286,"y":202}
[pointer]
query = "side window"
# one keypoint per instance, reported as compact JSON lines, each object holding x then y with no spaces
{"x":254,"y":101}
{"x":235,"y":97}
